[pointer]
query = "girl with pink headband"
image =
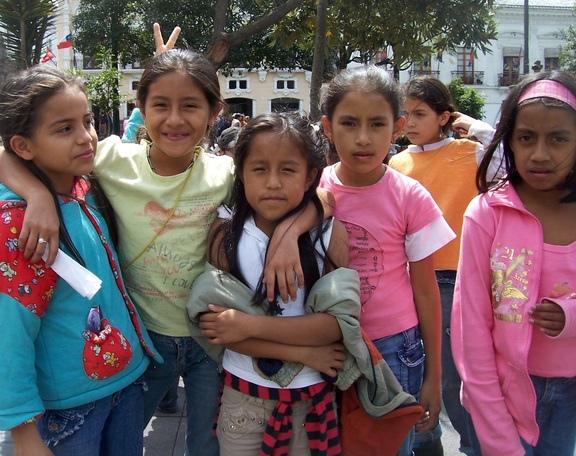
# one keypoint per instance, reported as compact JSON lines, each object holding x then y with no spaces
{"x":514,"y":315}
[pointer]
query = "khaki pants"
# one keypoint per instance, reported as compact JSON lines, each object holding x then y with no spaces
{"x":242,"y":422}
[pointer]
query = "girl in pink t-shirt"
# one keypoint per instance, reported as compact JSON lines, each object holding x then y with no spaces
{"x":394,"y":226}
{"x":514,"y":316}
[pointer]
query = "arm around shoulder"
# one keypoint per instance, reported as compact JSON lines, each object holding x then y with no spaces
{"x":338,"y":252}
{"x":215,"y":252}
{"x":41,"y":220}
{"x":483,"y":131}
{"x":283,"y":261}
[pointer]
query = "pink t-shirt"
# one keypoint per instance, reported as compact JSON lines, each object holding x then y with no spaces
{"x":380,"y":220}
{"x":558,"y":282}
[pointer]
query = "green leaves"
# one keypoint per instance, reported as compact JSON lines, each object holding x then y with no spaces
{"x":103,"y":86}
{"x":568,"y":51}
{"x":26,"y":24}
{"x":468,"y":100}
{"x":357,"y":30}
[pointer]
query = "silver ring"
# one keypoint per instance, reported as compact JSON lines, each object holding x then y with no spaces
{"x":41,"y":240}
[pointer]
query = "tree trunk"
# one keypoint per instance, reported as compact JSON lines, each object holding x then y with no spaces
{"x":222,"y":42}
{"x":318,"y":59}
{"x":116,"y":92}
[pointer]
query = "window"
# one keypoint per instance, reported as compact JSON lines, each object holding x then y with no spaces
{"x":465,"y":65}
{"x":237,"y":84}
{"x":135,"y":85}
{"x":285,"y":104}
{"x":511,"y":57}
{"x":551,"y":63}
{"x":136,"y":64}
{"x":425,"y":64}
{"x":241,"y":105}
{"x":89,"y":62}
{"x":551,"y":59}
{"x":285,"y":84}
{"x":424,"y":67}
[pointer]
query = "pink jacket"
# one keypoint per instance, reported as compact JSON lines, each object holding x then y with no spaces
{"x":498,"y":281}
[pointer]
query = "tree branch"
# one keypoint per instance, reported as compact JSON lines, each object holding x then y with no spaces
{"x":222,"y":42}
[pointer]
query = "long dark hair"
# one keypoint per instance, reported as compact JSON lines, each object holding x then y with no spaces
{"x":297,"y":129}
{"x":21,"y":99}
{"x":505,"y":129}
{"x":434,"y":93}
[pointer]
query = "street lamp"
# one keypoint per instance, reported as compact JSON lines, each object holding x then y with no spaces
{"x":526,"y":39}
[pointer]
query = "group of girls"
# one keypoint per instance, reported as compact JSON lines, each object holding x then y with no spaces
{"x":77,"y":362}
{"x":164,"y":197}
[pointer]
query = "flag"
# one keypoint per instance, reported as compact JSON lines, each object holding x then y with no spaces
{"x":66,"y":43}
{"x":439,"y":55}
{"x":471,"y":59}
{"x":383,"y":55}
{"x":48,"y":56}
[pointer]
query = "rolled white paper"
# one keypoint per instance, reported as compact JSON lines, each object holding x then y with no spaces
{"x":77,"y":276}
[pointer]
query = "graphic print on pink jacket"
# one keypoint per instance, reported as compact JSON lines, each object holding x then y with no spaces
{"x":498,"y":281}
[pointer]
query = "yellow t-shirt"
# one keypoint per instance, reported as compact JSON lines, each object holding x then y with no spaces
{"x":159,"y":275}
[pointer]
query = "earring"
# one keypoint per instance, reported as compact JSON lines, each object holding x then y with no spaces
{"x":442,"y":135}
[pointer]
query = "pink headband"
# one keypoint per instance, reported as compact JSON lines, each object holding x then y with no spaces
{"x":549,"y":89}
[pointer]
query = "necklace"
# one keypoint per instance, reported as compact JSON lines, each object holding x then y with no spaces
{"x":149,"y":146}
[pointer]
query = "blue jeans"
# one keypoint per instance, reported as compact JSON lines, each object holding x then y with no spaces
{"x":183,"y":357}
{"x":111,"y":426}
{"x":169,"y":402}
{"x":555,"y":415}
{"x":404,"y":353}
{"x":451,"y":382}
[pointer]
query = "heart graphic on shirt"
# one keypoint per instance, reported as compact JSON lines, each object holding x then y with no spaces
{"x":158,"y":217}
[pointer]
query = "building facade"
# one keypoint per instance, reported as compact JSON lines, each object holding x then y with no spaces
{"x":492,"y":74}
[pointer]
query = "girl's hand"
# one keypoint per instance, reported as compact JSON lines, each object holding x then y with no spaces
{"x":461,"y":123}
{"x":549,"y":316}
{"x":27,"y":442}
{"x":283,"y":265}
{"x":40,"y":230}
{"x":325,"y":359}
{"x":223,"y":326}
{"x":283,"y":258}
{"x":35,"y":448}
{"x":430,"y":400}
{"x":159,"y":41}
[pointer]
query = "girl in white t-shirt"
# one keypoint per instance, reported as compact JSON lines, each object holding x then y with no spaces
{"x":278,"y":166}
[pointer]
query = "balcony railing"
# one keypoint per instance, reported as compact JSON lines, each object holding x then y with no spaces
{"x":508,"y":79}
{"x":469,"y":77}
{"x":414,"y":73}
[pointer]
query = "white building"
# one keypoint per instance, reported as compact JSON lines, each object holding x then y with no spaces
{"x":255,"y":92}
{"x":493,"y":73}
